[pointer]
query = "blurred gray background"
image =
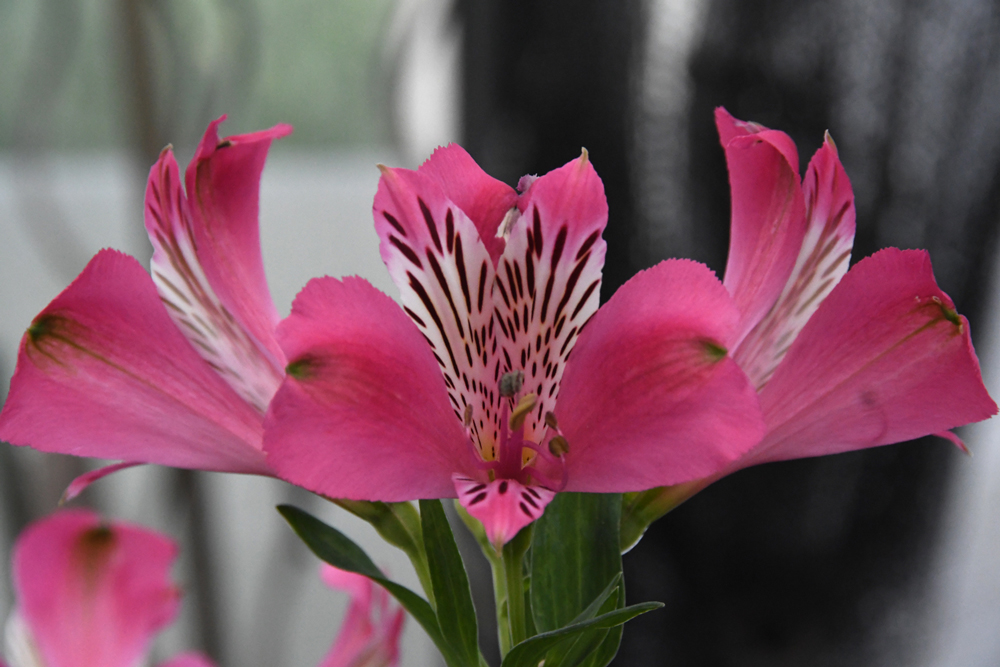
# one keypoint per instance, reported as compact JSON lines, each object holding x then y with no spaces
{"x":883,"y":557}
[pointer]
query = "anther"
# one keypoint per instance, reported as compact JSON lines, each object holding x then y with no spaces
{"x":558,"y":445}
{"x":511,"y":383}
{"x":508,"y":222}
{"x":524,"y":406}
{"x":550,"y":421}
{"x":468,"y":416}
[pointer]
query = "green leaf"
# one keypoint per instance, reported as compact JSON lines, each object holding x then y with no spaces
{"x":574,"y":554}
{"x":399,"y":525}
{"x":338,"y":550}
{"x":455,"y":612}
{"x":571,"y":653}
{"x":606,"y":652}
{"x":532,"y":651}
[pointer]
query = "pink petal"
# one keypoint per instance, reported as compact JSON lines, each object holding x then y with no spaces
{"x":223,"y":186}
{"x":649,"y":397}
{"x":955,"y":440}
{"x":503,"y":506}
{"x":93,"y":594}
{"x":484,"y":199}
{"x":188,"y":660}
{"x":444,"y":273}
{"x":822,"y":262}
{"x":729,"y":128}
{"x":768,"y":219}
{"x":363,"y":412}
{"x":885,"y":358}
{"x":80,"y":484}
{"x":239,"y":344}
{"x":549,"y":279}
{"x":358,"y":586}
{"x":369,"y":635}
{"x":355,"y":640}
{"x":104,"y":372}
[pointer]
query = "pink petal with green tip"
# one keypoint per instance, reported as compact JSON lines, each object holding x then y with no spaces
{"x":223,"y":187}
{"x":207,"y":262}
{"x":445,"y":277}
{"x":104,"y":372}
{"x":822,"y":262}
{"x":884,"y":359}
{"x":549,"y":280}
{"x":768,"y":217}
{"x":93,"y":594}
{"x":363,"y":412}
{"x":484,"y":199}
{"x":649,"y":397}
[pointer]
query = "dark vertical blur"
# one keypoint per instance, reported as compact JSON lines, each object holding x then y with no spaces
{"x":808,"y":562}
{"x":543,"y":80}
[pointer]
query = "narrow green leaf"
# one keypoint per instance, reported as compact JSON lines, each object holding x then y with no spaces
{"x":530,"y":652}
{"x":568,"y":654}
{"x":455,"y":611}
{"x":606,"y":652}
{"x":574,"y":554}
{"x":399,"y":525}
{"x":579,"y":650}
{"x":338,"y":550}
{"x":597,"y":606}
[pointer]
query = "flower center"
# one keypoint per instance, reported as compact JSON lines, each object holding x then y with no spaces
{"x":514,"y":456}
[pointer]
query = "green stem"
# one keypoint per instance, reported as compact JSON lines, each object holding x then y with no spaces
{"x":513,"y":570}
{"x":512,"y":558}
{"x":500,"y":599}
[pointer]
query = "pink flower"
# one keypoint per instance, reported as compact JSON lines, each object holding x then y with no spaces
{"x":841,"y":359}
{"x":482,"y":398}
{"x":90,"y":594}
{"x":369,"y":635}
{"x":176,"y":369}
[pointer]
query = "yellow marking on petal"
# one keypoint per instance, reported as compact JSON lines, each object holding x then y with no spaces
{"x":527,"y":456}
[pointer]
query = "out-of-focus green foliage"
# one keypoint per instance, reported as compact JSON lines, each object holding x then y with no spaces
{"x":66,"y":83}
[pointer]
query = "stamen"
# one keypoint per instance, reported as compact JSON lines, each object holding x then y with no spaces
{"x":558,"y":445}
{"x":524,"y":407}
{"x":550,"y":421}
{"x":468,"y":416}
{"x":511,"y":383}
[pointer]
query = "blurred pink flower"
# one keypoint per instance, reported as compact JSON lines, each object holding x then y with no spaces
{"x":177,"y":368}
{"x":90,"y":594}
{"x":369,"y":635}
{"x":841,"y":359}
{"x":481,"y":398}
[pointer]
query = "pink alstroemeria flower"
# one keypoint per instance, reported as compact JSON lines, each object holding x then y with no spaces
{"x":177,"y":368}
{"x":369,"y":635}
{"x":91,"y":594}
{"x":482,"y":398}
{"x":841,"y":360}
